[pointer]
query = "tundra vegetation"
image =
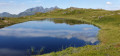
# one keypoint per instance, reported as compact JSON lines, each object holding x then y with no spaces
{"x":107,"y":21}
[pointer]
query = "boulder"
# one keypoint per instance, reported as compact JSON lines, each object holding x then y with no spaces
{"x":119,"y":13}
{"x":100,"y":17}
{"x":2,"y":18}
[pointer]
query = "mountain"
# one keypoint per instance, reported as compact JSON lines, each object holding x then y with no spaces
{"x":5,"y":14}
{"x":30,"y":11}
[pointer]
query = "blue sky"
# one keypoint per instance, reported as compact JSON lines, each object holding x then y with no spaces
{"x":17,"y":6}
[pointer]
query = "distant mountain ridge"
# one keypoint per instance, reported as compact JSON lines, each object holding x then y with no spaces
{"x":6,"y":14}
{"x":30,"y":11}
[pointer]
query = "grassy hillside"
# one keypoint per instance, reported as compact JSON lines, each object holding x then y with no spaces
{"x":108,"y":21}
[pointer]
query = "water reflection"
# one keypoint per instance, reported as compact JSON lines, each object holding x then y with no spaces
{"x":52,"y":34}
{"x":10,"y":52}
{"x":86,"y":34}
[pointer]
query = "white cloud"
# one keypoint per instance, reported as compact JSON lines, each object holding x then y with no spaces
{"x":108,"y":3}
{"x":3,"y":3}
{"x":35,"y":1}
{"x":11,"y":1}
{"x":6,"y":3}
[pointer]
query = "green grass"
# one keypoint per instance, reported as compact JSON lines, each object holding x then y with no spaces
{"x":109,"y":35}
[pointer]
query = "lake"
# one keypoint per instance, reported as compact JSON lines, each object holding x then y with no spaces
{"x":45,"y":36}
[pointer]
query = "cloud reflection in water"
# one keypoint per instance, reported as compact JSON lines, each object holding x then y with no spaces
{"x":88,"y":35}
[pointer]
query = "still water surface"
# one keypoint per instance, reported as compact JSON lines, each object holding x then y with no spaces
{"x":46,"y":35}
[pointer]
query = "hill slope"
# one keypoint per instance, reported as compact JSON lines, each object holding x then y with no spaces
{"x":108,"y":21}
